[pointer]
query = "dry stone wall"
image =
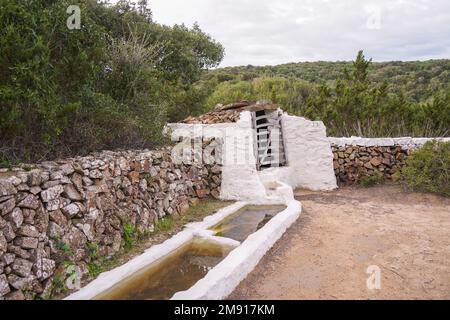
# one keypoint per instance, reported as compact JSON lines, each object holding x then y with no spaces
{"x":355,"y":158}
{"x":351,"y":163}
{"x":61,"y":211}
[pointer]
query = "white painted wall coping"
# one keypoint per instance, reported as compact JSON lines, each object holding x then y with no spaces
{"x":254,"y":247}
{"x":108,"y":279}
{"x":407,"y":142}
{"x":220,"y":281}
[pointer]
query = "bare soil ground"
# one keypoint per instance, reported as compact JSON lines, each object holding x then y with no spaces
{"x":326,"y":253}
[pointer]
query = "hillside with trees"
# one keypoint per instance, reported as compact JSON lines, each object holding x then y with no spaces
{"x":120,"y":78}
{"x":352,"y":98}
{"x":112,"y":84}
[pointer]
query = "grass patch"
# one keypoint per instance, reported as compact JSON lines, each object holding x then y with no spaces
{"x":94,"y":269}
{"x":164,"y":224}
{"x":63,"y":247}
{"x":202,"y":209}
{"x":129,"y":235}
{"x":57,"y":287}
{"x":92,"y":250}
{"x":195,"y":213}
{"x":371,"y":181}
{"x":5,"y":163}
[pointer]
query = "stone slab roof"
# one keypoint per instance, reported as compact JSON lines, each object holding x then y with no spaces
{"x":230,"y":112}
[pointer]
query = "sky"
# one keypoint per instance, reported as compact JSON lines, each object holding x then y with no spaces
{"x":270,"y":32}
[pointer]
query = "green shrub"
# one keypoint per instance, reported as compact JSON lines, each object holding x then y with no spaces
{"x":428,"y":169}
{"x":164,"y":224}
{"x":63,"y":247}
{"x":129,"y":235}
{"x":370,"y":181}
{"x":92,"y":250}
{"x":94,"y":269}
{"x":112,"y":84}
{"x":57,"y":287}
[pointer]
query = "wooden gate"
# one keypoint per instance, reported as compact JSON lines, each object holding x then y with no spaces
{"x":269,"y":146}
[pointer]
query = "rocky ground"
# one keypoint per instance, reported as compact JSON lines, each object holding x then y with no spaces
{"x":326,"y":253}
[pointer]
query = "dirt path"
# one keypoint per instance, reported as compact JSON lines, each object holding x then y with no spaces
{"x":326,"y":253}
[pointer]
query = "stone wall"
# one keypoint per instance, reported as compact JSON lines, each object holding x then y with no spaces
{"x":355,"y":157}
{"x":351,"y":163}
{"x":60,"y":211}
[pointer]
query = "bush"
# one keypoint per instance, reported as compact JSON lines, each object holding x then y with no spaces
{"x":112,"y":84}
{"x":370,"y":181}
{"x":428,"y":169}
{"x":129,"y":235}
{"x":351,"y":98}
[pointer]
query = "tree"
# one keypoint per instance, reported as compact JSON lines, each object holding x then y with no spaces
{"x":112,"y":84}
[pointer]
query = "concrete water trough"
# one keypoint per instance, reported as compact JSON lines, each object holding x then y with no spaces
{"x":201,"y":262}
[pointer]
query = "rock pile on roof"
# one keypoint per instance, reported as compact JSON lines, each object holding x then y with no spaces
{"x":230,"y":112}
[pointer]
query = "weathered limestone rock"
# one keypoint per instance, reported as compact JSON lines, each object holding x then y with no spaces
{"x":28,"y":231}
{"x":34,"y":178}
{"x":7,"y":188}
{"x":51,"y":193}
{"x":67,"y":169}
{"x":8,"y":258}
{"x":56,"y":204}
{"x":72,"y":193}
{"x":7,"y":206}
{"x":15,"y":295}
{"x":3,"y":244}
{"x":8,"y":232}
{"x":58,"y":217}
{"x":50,"y":184}
{"x":17,"y":217}
{"x":26,"y":242}
{"x":4,"y":286}
{"x":22,"y":267}
{"x":30,"y":202}
{"x":55,"y":231}
{"x":87,"y":229}
{"x":43,"y":267}
{"x":73,"y":209}
{"x":95,"y":174}
{"x":19,"y":252}
{"x":20,"y":283}
{"x":75,"y":238}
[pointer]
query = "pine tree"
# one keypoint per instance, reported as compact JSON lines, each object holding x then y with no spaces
{"x":360,"y":68}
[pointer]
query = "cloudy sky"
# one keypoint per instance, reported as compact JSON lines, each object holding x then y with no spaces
{"x":261,"y":32}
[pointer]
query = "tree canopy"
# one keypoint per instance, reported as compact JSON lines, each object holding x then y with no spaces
{"x":352,"y":98}
{"x":111,"y":84}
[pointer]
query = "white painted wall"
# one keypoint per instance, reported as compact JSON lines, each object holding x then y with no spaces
{"x":310,"y":160}
{"x":240,"y":179}
{"x":308,"y":153}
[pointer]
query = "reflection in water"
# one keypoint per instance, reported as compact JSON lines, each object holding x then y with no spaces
{"x":246,"y":221}
{"x":177,"y":272}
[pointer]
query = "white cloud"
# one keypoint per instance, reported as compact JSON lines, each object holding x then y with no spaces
{"x":263,"y":32}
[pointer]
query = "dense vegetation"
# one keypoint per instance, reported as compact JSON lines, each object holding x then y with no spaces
{"x":352,"y":98}
{"x":428,"y":169}
{"x":113,"y":83}
{"x":117,"y":81}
